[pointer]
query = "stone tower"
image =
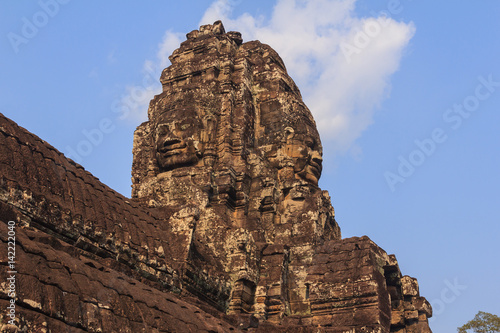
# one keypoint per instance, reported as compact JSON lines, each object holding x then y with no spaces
{"x":231,"y":149}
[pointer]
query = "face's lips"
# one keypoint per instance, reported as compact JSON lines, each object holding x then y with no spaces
{"x":316,"y":167}
{"x":172,"y":147}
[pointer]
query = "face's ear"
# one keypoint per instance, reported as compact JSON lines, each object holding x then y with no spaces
{"x":208,"y":132}
{"x":289,"y":134}
{"x":144,"y":160}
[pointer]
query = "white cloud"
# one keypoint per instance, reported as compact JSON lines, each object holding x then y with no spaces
{"x":342,"y":89}
{"x":135,"y":102}
{"x":171,"y":41}
{"x":341,"y":63}
{"x":94,"y":73}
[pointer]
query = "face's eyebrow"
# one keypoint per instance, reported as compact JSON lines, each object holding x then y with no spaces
{"x":163,"y":126}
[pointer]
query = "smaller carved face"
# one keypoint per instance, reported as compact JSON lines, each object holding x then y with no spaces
{"x":306,"y":153}
{"x":177,"y":138}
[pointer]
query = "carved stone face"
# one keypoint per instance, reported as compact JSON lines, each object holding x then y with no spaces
{"x":306,"y":153}
{"x":177,"y":139}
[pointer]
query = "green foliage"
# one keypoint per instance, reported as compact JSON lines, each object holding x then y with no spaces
{"x":483,"y":322}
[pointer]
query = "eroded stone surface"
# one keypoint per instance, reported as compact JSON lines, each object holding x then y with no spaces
{"x":226,"y":230}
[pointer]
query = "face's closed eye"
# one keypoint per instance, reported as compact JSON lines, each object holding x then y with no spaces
{"x":305,"y":152}
{"x":175,"y":135}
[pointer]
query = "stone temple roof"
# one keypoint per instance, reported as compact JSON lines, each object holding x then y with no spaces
{"x":75,"y":246}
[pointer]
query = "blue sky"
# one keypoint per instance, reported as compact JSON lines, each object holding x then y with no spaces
{"x":406,"y":95}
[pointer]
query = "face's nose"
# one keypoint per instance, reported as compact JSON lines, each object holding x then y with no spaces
{"x":167,"y":140}
{"x":316,"y":157}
